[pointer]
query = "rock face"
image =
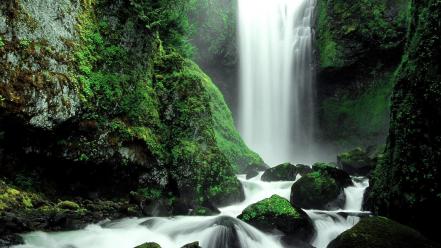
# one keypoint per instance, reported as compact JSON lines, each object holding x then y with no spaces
{"x":34,"y":80}
{"x":94,"y":104}
{"x":277,"y":214}
{"x":409,"y":177}
{"x":380,"y":232}
{"x":321,"y":189}
{"x":359,"y":45}
{"x":285,"y":172}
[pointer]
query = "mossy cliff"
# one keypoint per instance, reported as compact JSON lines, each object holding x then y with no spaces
{"x":99,"y":99}
{"x":359,"y":45}
{"x":406,"y":184}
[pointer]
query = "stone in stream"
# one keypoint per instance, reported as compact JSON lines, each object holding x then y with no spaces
{"x":277,"y":214}
{"x":321,"y":189}
{"x":149,"y":245}
{"x":254,"y":169}
{"x":192,"y":245}
{"x":358,"y":161}
{"x":285,"y":172}
{"x":380,"y":232}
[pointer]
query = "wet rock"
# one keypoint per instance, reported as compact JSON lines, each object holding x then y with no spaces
{"x":380,"y":232}
{"x":276,"y":214}
{"x":285,"y":172}
{"x":341,"y":177}
{"x":317,"y":191}
{"x":357,"y":162}
{"x":149,"y":245}
{"x":253,"y":170}
{"x":192,"y":245}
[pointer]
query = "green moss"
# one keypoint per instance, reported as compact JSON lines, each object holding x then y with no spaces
{"x":382,"y":233}
{"x":273,"y":206}
{"x":68,"y":205}
{"x":227,"y":137}
{"x":347,"y":30}
{"x":353,"y":118}
{"x":330,"y":51}
{"x":408,"y":177}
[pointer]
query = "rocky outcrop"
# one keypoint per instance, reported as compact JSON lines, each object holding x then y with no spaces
{"x":98,"y":103}
{"x":359,"y":46}
{"x":380,"y":232}
{"x":409,"y":178}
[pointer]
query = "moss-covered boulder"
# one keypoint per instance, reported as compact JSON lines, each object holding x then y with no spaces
{"x":149,"y":245}
{"x":316,"y":191}
{"x":341,"y":177}
{"x":321,"y":189}
{"x":380,"y":232}
{"x":356,"y":162}
{"x":277,"y":214}
{"x":285,"y":172}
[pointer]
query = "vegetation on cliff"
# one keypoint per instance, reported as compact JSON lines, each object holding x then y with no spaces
{"x":409,"y":179}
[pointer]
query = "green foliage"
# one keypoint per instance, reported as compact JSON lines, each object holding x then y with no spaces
{"x":214,"y":35}
{"x":184,"y":91}
{"x":2,"y":43}
{"x":169,"y":18}
{"x":348,"y":29}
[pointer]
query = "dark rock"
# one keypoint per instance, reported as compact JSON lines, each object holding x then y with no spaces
{"x":357,"y":162}
{"x":10,"y":240}
{"x":285,"y":172}
{"x":317,"y":190}
{"x":192,"y":245}
{"x":341,"y":177}
{"x":253,"y":170}
{"x":380,"y":232}
{"x":276,"y":214}
{"x":149,"y":245}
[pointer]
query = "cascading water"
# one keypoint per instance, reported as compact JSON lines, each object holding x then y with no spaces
{"x":276,"y":116}
{"x":220,"y":231}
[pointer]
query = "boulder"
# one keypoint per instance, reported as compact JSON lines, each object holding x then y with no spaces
{"x":380,"y":232}
{"x":254,"y":169}
{"x":285,"y":172}
{"x":277,"y":214}
{"x":192,"y":245}
{"x":317,"y":190}
{"x":341,"y":177}
{"x":149,"y":245}
{"x":357,"y":162}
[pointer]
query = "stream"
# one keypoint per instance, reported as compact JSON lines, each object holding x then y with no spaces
{"x":223,"y":230}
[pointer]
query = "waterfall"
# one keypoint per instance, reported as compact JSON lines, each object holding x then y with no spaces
{"x":276,"y":116}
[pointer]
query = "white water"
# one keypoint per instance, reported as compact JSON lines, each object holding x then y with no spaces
{"x":213,"y":231}
{"x":276,"y":116}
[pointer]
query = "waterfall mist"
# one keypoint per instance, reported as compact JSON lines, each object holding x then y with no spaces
{"x":276,"y":114}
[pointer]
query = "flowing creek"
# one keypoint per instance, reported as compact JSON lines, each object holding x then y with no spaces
{"x":219,"y":231}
